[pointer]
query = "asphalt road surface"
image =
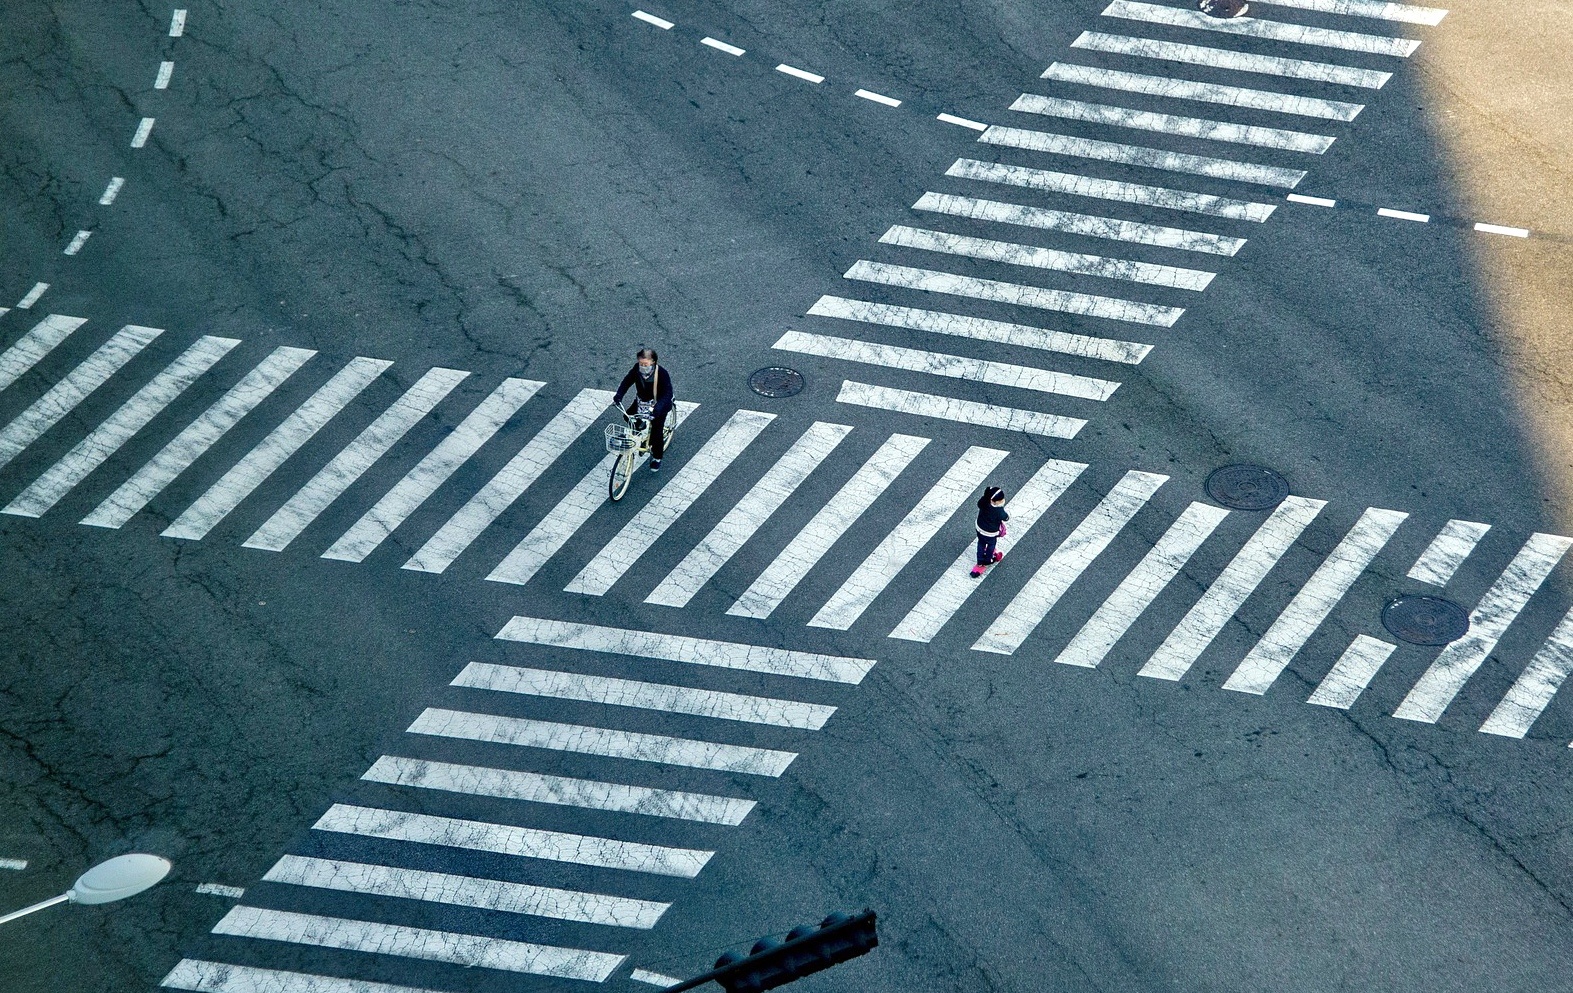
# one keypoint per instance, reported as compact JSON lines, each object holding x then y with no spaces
{"x":311,"y":584}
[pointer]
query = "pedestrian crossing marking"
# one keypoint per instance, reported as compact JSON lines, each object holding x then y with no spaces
{"x":1216,"y":93}
{"x":962,"y":411}
{"x":1111,"y":228}
{"x":1254,"y":27}
{"x":1352,"y":673}
{"x":202,"y":976}
{"x":1407,"y":13}
{"x":1221,"y":58}
{"x":1141,"y":155}
{"x":1078,"y":263}
{"x":1447,"y":552}
{"x":1190,"y":127}
{"x":1532,"y":691}
{"x":1108,"y":189}
{"x":38,"y":342}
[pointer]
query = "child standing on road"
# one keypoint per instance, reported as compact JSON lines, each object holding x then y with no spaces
{"x":991,"y":528}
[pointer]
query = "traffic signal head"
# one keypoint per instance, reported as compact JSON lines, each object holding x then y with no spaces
{"x":773,"y":962}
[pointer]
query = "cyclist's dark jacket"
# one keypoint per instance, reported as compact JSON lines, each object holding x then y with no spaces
{"x":657,"y":388}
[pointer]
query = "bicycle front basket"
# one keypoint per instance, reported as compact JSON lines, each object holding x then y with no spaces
{"x":619,"y":439}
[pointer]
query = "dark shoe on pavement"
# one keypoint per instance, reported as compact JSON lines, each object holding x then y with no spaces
{"x":655,"y":465}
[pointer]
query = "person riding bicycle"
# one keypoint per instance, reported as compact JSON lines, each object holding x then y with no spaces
{"x":652,"y":386}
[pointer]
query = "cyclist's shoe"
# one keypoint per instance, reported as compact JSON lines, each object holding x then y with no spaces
{"x":655,"y":465}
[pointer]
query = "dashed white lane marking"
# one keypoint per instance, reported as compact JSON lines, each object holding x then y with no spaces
{"x":1066,"y":564}
{"x":1500,"y":229}
{"x":1017,"y":294}
{"x":961,"y":122}
{"x":1108,"y":189}
{"x":431,"y":472}
{"x":504,"y":489}
{"x":177,"y":23}
{"x":838,"y":516}
{"x":1352,"y":673}
{"x":988,"y":415}
{"x":132,"y":416}
{"x":721,"y":46}
{"x":201,"y":976}
{"x":1313,"y":201}
{"x":1529,"y":695}
{"x":694,"y":651}
{"x":77,"y":242}
{"x":663,"y":697}
{"x":32,"y":296}
{"x":950,"y":592}
{"x":1375,"y":9}
{"x":1447,"y":552}
{"x":1315,"y":600}
{"x":1253,"y":27}
{"x":466,"y":891}
{"x":1190,"y":127}
{"x":283,"y":441}
{"x":1403,"y":215}
{"x":34,"y":345}
{"x":1186,"y":89}
{"x":1035,"y":257}
{"x":1140,"y":155}
{"x":506,"y":839}
{"x":718,"y":452}
{"x":1141,"y":586}
{"x":653,"y":978}
{"x":219,"y":889}
{"x":418,"y":943}
{"x":1087,"y":225}
{"x":907,"y":538}
{"x":748,"y":515}
{"x":800,"y":73}
{"x":63,"y":397}
{"x":878,"y":98}
{"x":659,"y":22}
{"x":980,"y":329}
{"x":166,"y":70}
{"x":945,"y":364}
{"x":15,"y":865}
{"x":144,"y":129}
{"x":1220,"y":58}
{"x":533,"y":787}
{"x":111,"y":191}
{"x":1490,"y":619}
{"x":1229,"y":591}
{"x":373,"y":443}
{"x":197,"y":437}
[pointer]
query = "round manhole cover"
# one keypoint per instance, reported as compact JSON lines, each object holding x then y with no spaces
{"x":1247,"y":487}
{"x":776,"y":381}
{"x":1425,"y":620}
{"x":1224,"y":8}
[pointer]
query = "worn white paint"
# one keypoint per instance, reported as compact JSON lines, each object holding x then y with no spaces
{"x":1141,"y":155}
{"x":962,"y":411}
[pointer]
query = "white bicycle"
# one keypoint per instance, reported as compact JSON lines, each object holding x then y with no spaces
{"x":629,"y":443}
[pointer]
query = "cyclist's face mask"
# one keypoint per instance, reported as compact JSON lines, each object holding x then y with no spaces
{"x":646,"y":368}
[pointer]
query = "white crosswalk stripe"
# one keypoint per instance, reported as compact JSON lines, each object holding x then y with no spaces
{"x":1377,"y":9}
{"x":1447,"y":552}
{"x":907,"y":538}
{"x":132,"y":416}
{"x":951,"y":590}
{"x":1221,"y":58}
{"x":748,"y":515}
{"x":961,"y":411}
{"x":285,"y":440}
{"x":373,"y":443}
{"x":1490,"y":619}
{"x":1109,"y":189}
{"x":1186,"y":89}
{"x":1141,"y":155}
{"x":1036,"y":257}
{"x":31,"y":348}
{"x":202,"y":976}
{"x":1190,"y":127}
{"x":932,"y":281}
{"x":1066,"y":564}
{"x":1532,"y":691}
{"x":1352,"y":673}
{"x":1255,"y":27}
{"x":63,"y":397}
{"x":1110,"y":228}
{"x":718,"y":452}
{"x":197,"y":437}
{"x":443,"y":461}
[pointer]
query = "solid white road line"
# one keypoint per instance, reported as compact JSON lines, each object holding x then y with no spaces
{"x":510,"y":483}
{"x":1190,"y":127}
{"x":431,"y":472}
{"x":1530,"y":694}
{"x":664,"y":697}
{"x":642,"y":531}
{"x":1490,"y":619}
{"x":1352,"y":673}
{"x":418,"y":943}
{"x":838,"y":516}
{"x":197,"y":437}
{"x":509,"y":784}
{"x":283,"y":441}
{"x":165,"y":71}
{"x":659,"y":22}
{"x":201,"y":976}
{"x":1314,"y":601}
{"x":1062,"y":568}
{"x":34,"y":345}
{"x":1229,"y":591}
{"x":878,"y":98}
{"x":373,"y":443}
{"x":951,"y":590}
{"x":218,"y":889}
{"x":1091,"y":226}
{"x":1141,"y":155}
{"x":1052,"y":259}
{"x":79,"y":383}
{"x":1186,"y":89}
{"x":1108,"y":189}
{"x":466,"y":891}
{"x":111,"y":191}
{"x":144,"y":130}
{"x":907,"y":538}
{"x":1375,"y":9}
{"x":694,"y":651}
{"x":506,"y":839}
{"x":32,"y":296}
{"x":800,"y":73}
{"x":1403,"y":215}
{"x":177,"y":23}
{"x":15,"y":865}
{"x":132,"y":416}
{"x":77,"y":242}
{"x":1313,"y":201}
{"x":721,"y":46}
{"x":980,"y":329}
{"x":1220,"y":58}
{"x":962,"y":122}
{"x":1254,"y":27}
{"x":962,"y":411}
{"x":1017,"y":294}
{"x":1500,"y":229}
{"x":1447,"y":552}
{"x":945,"y":364}
{"x":748,"y":515}
{"x":1141,"y":586}
{"x":653,"y":978}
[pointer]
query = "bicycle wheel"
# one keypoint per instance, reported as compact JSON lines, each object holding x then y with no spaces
{"x":667,"y":430}
{"x":622,"y":473}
